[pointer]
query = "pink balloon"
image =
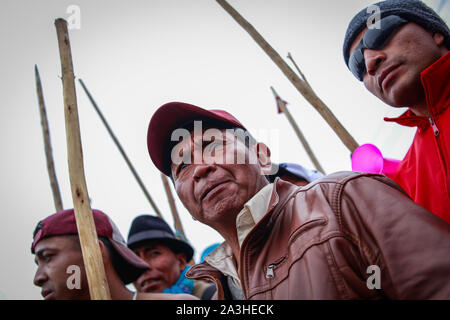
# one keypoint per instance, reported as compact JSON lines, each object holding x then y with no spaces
{"x":368,"y":158}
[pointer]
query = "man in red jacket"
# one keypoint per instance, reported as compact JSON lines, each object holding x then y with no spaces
{"x":403,"y":60}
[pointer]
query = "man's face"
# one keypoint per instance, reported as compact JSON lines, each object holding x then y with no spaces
{"x":53,"y":256}
{"x":165,"y":267}
{"x":215,"y":189}
{"x":393,"y":72}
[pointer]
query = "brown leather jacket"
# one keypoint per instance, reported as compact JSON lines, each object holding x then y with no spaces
{"x":317,"y":242}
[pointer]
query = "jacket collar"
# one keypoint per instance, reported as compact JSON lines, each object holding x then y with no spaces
{"x":436,"y":82}
{"x":281,"y":192}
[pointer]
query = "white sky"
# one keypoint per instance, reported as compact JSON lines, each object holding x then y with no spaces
{"x":137,"y":55}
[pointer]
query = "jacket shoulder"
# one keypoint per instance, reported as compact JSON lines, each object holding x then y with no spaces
{"x":342,"y":178}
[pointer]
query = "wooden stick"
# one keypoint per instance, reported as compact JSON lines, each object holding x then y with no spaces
{"x":173,"y":208}
{"x":122,"y":151}
{"x":283,"y":107}
{"x":309,"y":94}
{"x":47,"y":144}
{"x":289,"y":56}
{"x":92,"y":257}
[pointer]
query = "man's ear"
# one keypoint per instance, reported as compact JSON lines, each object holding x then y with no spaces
{"x":438,"y":39}
{"x":103,"y":250}
{"x":264,"y":161}
{"x":181,"y":257}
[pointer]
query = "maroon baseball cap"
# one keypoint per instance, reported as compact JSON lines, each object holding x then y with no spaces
{"x":174,"y":115}
{"x":126,"y":263}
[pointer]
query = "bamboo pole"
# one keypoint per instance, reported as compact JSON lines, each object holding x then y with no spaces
{"x":283,"y":107}
{"x":92,"y":257}
{"x":122,"y":151}
{"x":303,"y":88}
{"x":173,"y":208}
{"x":47,"y":144}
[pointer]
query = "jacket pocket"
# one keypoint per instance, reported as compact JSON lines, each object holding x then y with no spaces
{"x":306,"y":227}
{"x":270,"y":269}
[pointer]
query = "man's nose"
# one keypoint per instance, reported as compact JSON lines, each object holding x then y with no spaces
{"x":202,"y":171}
{"x":40,"y":278}
{"x":373,"y":58}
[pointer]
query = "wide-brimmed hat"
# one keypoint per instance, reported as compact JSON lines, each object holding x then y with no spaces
{"x":146,"y":228}
{"x":129,"y":266}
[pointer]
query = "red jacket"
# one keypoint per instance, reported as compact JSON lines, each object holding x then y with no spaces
{"x":424,"y":172}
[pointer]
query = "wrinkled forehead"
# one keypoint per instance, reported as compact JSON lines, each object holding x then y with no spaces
{"x":59,"y":242}
{"x":182,"y":137}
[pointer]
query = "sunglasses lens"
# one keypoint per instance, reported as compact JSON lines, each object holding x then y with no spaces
{"x":377,"y":38}
{"x":357,"y":64}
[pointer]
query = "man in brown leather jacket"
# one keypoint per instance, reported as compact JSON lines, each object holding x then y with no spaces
{"x":346,"y":236}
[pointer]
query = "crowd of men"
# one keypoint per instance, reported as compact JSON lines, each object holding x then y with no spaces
{"x":295,"y":234}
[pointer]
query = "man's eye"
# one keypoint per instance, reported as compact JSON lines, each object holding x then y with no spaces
{"x":212,"y":146}
{"x":47,"y":257}
{"x":215,"y":144}
{"x":181,"y":167}
{"x":151,"y":252}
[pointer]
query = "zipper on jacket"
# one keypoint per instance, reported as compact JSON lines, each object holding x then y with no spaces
{"x":434,"y":126}
{"x":269,"y":270}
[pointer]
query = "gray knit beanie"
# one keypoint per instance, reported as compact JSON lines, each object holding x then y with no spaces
{"x":411,"y":10}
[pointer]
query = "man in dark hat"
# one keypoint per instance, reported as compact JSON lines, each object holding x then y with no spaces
{"x":331,"y":239}
{"x":153,"y":241}
{"x":61,"y":273}
{"x":402,"y":58}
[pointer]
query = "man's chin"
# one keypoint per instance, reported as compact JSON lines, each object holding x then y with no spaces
{"x":404,"y":93}
{"x":223,"y":209}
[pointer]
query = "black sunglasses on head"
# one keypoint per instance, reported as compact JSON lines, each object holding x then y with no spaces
{"x":373,"y":39}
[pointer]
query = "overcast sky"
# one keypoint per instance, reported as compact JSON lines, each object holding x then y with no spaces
{"x":137,"y":55}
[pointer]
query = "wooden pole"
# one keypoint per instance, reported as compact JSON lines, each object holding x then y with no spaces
{"x":47,"y":144}
{"x":173,"y":208}
{"x":92,"y":257}
{"x":122,"y":151}
{"x":289,"y":56}
{"x":283,"y":107}
{"x":303,"y":88}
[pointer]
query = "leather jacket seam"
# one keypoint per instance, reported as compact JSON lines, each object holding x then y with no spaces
{"x":334,"y":272}
{"x":363,"y":248}
{"x":306,"y":227}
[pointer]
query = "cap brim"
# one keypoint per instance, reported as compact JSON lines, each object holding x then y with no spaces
{"x":171,"y":116}
{"x":133,"y":267}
